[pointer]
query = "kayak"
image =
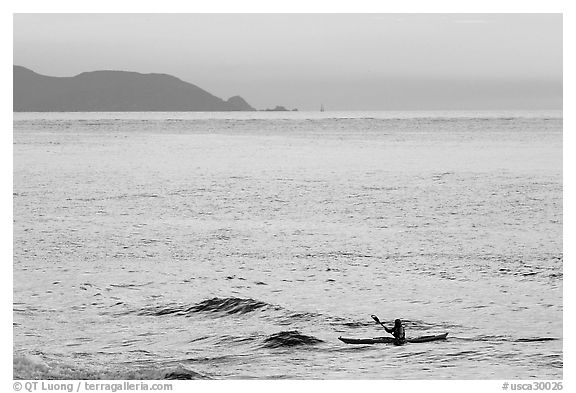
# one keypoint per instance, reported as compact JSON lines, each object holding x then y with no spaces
{"x":390,"y":340}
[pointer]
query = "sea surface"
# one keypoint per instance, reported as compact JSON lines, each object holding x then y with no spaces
{"x":242,"y":245}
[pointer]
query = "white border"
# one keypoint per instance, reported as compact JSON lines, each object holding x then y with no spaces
{"x":262,"y":6}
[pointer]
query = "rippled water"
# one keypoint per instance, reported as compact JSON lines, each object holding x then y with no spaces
{"x":243,"y":245}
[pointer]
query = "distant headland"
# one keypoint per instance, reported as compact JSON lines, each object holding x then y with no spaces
{"x":114,"y":91}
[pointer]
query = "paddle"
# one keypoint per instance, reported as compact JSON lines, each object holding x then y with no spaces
{"x":374,"y":317}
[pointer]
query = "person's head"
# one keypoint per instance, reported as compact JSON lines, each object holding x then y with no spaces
{"x":397,"y":322}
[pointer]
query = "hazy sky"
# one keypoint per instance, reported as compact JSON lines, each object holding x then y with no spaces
{"x":344,"y":61}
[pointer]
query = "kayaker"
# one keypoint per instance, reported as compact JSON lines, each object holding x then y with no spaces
{"x":397,"y":331}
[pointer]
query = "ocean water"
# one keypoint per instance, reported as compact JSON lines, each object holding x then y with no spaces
{"x":232,"y":246}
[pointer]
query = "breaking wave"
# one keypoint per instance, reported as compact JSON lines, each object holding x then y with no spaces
{"x":33,"y":367}
{"x":229,"y":305}
{"x":289,"y":338}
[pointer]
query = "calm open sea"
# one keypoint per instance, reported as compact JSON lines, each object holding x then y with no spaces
{"x":242,"y":245}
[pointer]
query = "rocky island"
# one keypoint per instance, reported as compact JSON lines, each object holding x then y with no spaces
{"x":280,"y":108}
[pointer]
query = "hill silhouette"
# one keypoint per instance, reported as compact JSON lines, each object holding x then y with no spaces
{"x":114,"y":91}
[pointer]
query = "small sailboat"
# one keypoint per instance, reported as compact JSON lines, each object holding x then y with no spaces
{"x":321,"y":107}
